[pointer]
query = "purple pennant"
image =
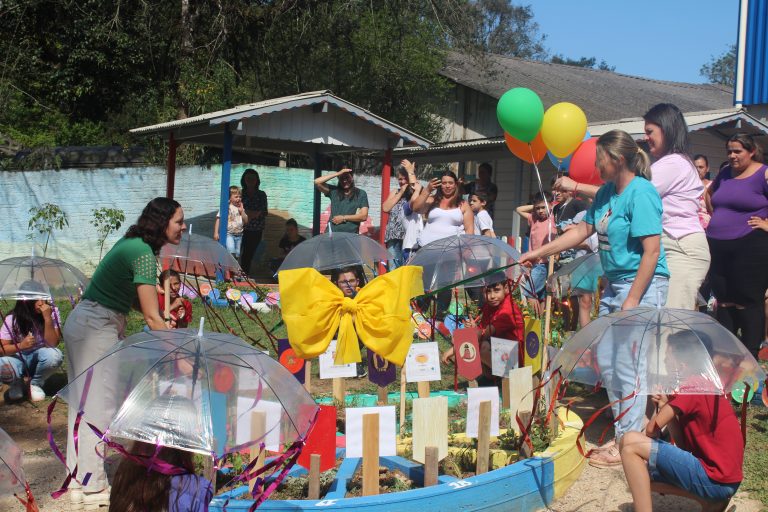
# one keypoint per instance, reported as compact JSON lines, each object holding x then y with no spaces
{"x":289,"y":359}
{"x":380,"y":371}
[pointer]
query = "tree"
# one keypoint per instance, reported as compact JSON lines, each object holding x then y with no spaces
{"x":106,"y":221}
{"x":45,"y":219}
{"x":722,"y":69}
{"x":583,"y":62}
{"x":503,"y":28}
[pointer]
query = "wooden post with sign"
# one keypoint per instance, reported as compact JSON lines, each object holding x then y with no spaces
{"x":483,"y":438}
{"x":370,"y":454}
{"x":339,"y":390}
{"x":431,"y":460}
{"x":314,"y":477}
{"x":258,"y":432}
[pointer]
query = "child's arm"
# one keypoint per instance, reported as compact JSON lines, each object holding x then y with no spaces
{"x":663,"y":417}
{"x":216,"y":229}
{"x":51,"y":332}
{"x":524,"y":211}
{"x":243,"y":214}
{"x":447,"y":355}
{"x":8,"y":348}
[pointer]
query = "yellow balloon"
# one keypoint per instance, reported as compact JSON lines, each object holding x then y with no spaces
{"x":563,"y":128}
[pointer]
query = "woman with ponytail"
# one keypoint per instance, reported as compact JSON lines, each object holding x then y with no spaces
{"x":626,"y":215}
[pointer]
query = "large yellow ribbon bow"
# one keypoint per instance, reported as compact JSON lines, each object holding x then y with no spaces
{"x":314,"y":309}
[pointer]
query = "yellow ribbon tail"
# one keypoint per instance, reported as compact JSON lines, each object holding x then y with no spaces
{"x":347,"y":345}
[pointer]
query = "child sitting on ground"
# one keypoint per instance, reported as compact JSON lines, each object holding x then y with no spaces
{"x":236,"y":219}
{"x":543,"y":231}
{"x":483,"y":221}
{"x":706,"y":461}
{"x":501,"y":318}
{"x":180,"y":311}
{"x":28,"y":339}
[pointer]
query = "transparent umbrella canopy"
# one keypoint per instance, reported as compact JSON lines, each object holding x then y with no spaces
{"x":335,"y":250}
{"x":198,"y":255}
{"x":581,"y":273}
{"x":464,"y":259}
{"x":190,"y":390}
{"x":657,"y":350}
{"x":36,"y":277}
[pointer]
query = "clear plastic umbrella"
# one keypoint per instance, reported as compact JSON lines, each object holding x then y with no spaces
{"x":335,"y":250}
{"x":657,"y":350}
{"x":581,"y":273}
{"x":12,"y":479}
{"x":35,"y":277}
{"x":464,"y":259}
{"x":191,"y":390}
{"x":198,"y":255}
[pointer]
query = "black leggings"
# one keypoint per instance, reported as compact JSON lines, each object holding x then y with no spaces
{"x":739,"y":275}
{"x":250,"y":242}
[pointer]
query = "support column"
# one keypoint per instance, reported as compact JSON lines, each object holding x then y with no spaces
{"x":386,"y":177}
{"x":226,"y":170}
{"x":170,"y":179}
{"x":316,"y":197}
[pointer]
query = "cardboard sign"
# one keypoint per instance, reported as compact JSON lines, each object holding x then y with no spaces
{"x":380,"y":371}
{"x":245,"y":409}
{"x":288,"y":358}
{"x":321,"y":440}
{"x":533,"y":344}
{"x":466,"y":350}
{"x":423,"y":362}
{"x":474,"y":397}
{"x":354,"y":430}
{"x":329,"y":370}
{"x":504,"y":356}
{"x":430,"y":426}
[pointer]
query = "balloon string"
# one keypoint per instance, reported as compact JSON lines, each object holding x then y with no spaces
{"x":541,"y":190}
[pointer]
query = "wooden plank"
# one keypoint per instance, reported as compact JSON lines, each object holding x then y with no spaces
{"x":402,"y":401}
{"x":308,"y":376}
{"x":505,"y":393}
{"x":525,"y":450}
{"x":547,"y":314}
{"x":370,"y":454}
{"x":423,"y":388}
{"x":431,"y":460}
{"x":520,"y":396}
{"x":382,"y":395}
{"x":339,"y":390}
{"x":483,"y":438}
{"x":430,"y":426}
{"x":314,"y":477}
{"x":258,"y":431}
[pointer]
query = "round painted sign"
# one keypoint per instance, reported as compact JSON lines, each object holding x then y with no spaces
{"x":233,"y":294}
{"x":532,"y":344}
{"x":737,"y":392}
{"x":291,"y":361}
{"x":223,"y":379}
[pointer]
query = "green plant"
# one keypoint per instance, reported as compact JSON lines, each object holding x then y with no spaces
{"x":106,"y":221}
{"x":45,"y":219}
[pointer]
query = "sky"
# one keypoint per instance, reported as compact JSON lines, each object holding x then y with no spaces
{"x":665,"y":40}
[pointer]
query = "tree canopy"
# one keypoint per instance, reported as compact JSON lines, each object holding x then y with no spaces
{"x":722,"y":69}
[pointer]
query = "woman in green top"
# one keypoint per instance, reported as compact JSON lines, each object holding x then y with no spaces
{"x":125,"y":278}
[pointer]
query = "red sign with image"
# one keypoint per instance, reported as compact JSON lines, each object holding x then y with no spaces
{"x":466,"y":350}
{"x":322,"y":440}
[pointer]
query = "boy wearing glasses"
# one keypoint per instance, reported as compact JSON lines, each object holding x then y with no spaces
{"x":349,"y":280}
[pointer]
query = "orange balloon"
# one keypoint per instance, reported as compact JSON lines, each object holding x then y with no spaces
{"x":522,"y":150}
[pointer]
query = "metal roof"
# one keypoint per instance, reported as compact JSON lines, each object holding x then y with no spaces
{"x":291,"y":126}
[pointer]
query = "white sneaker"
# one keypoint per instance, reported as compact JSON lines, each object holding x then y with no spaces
{"x":80,"y":500}
{"x":36,"y":393}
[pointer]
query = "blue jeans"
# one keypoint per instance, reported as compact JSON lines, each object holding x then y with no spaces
{"x":233,"y":244}
{"x":41,"y":364}
{"x":539,"y":278}
{"x":395,"y":251}
{"x":675,"y":466}
{"x":622,"y":361}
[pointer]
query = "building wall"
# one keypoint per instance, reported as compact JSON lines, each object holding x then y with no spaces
{"x":78,"y":192}
{"x":469,"y":114}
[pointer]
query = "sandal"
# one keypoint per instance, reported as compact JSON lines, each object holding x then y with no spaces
{"x":605,"y":447}
{"x":606,"y":459}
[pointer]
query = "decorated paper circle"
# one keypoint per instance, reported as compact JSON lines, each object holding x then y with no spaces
{"x":467,"y":352}
{"x":737,"y":392}
{"x":223,"y":379}
{"x":205,"y":289}
{"x":233,"y":294}
{"x":424,"y":330}
{"x":532,"y":344}
{"x":291,"y":361}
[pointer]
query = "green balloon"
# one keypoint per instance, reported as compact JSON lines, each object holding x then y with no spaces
{"x":738,"y":389}
{"x":520,"y":113}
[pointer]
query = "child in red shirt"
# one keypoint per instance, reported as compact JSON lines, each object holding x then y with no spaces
{"x":180,"y":314}
{"x":501,"y":318}
{"x":705,"y":462}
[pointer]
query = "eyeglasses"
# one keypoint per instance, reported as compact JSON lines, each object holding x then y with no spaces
{"x":348,"y":282}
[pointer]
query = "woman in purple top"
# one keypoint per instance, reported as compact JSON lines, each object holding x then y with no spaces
{"x":738,"y":240}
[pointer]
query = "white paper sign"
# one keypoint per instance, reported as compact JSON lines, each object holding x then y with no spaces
{"x":354,"y":430}
{"x":245,"y":410}
{"x":423,"y":362}
{"x":474,"y":397}
{"x":504,"y":356}
{"x":329,"y":370}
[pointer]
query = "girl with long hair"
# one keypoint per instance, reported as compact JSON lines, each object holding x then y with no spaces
{"x":256,"y":209}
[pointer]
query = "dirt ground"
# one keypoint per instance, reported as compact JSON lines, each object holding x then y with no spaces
{"x":597,"y":490}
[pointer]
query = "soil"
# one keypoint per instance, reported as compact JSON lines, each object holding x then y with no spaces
{"x":390,"y":480}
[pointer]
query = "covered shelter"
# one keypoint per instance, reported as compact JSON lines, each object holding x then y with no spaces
{"x":315,"y":124}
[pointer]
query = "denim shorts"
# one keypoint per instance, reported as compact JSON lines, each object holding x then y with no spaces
{"x":672,"y":465}
{"x":534,"y":288}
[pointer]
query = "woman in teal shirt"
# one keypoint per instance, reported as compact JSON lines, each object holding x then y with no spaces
{"x":626,"y":215}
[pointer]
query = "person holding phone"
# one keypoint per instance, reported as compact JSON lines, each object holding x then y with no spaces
{"x":447,"y":213}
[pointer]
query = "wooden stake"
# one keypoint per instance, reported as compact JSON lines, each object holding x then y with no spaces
{"x":339,"y":390}
{"x":430,"y":465}
{"x":525,"y":450}
{"x":483,"y":438}
{"x":314,"y":477}
{"x":370,"y":454}
{"x":383,"y":395}
{"x":402,"y":401}
{"x":308,"y":376}
{"x":547,"y":315}
{"x":505,"y":393}
{"x":423,"y":388}
{"x":258,"y":432}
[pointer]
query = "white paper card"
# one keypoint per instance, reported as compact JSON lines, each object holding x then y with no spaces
{"x":503,"y":356}
{"x":328,"y":370}
{"x":423,"y":362}
{"x":354,"y":430}
{"x":474,"y":397}
{"x":245,"y":410}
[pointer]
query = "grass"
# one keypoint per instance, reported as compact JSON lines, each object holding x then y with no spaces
{"x":756,"y":455}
